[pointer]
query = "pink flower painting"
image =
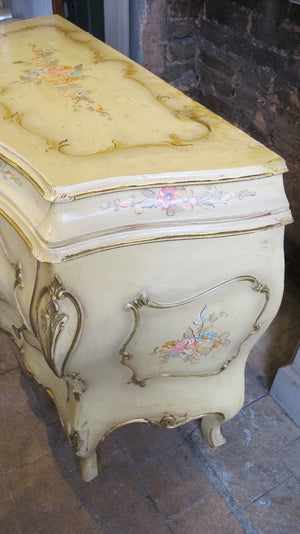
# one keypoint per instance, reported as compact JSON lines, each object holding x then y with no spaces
{"x":174,"y":200}
{"x":167,"y":197}
{"x":196,"y":343}
{"x":64,"y":78}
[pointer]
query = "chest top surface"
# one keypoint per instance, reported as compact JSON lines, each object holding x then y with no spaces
{"x":78,"y":117}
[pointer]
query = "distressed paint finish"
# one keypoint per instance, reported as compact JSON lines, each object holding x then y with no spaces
{"x":115,"y":186}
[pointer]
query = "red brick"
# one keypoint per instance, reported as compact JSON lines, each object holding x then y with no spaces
{"x":268,"y":58}
{"x":180,"y":29}
{"x":181,"y":49}
{"x":286,"y":119}
{"x":179,"y":9}
{"x":228,"y":65}
{"x":218,"y":105}
{"x":260,"y":79}
{"x":207,"y":76}
{"x":247,"y":99}
{"x":228,"y":14}
{"x":176,"y":71}
{"x":224,"y":85}
{"x":213,"y":33}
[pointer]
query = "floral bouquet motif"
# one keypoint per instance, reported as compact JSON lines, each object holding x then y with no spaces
{"x":196,"y":342}
{"x":64,"y":78}
{"x":176,"y":199}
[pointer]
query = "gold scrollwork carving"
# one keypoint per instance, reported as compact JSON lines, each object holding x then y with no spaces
{"x":171,"y":421}
{"x":50,"y":322}
{"x":18,"y":276}
{"x":143,"y":300}
{"x":15,"y":265}
{"x":168,"y":421}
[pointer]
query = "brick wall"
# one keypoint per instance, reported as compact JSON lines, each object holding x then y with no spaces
{"x":241,"y":60}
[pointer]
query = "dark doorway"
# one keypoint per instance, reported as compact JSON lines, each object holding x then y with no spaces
{"x":87,"y":14}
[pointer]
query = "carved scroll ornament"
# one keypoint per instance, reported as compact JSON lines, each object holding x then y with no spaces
{"x":50,"y":322}
{"x":198,"y":337}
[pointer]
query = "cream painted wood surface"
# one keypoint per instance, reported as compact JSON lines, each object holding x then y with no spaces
{"x":78,"y":113}
{"x":141,"y":238}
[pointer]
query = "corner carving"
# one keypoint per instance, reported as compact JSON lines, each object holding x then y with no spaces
{"x":50,"y":324}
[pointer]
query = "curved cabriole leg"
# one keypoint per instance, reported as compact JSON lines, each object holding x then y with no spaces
{"x":90,"y":467}
{"x":211,"y":430}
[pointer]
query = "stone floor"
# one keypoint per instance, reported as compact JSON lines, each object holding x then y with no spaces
{"x":155,"y":481}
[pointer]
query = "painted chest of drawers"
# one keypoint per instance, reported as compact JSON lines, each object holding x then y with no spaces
{"x":141,"y":238}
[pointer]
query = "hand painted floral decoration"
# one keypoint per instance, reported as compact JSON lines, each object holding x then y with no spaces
{"x":64,"y":78}
{"x":174,"y":200}
{"x":197,"y":341}
{"x":7,"y":174}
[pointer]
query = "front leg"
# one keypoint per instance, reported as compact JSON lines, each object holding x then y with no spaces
{"x":211,"y":430}
{"x":90,"y":466}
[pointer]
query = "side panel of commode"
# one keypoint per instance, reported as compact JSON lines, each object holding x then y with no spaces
{"x":238,"y":279}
